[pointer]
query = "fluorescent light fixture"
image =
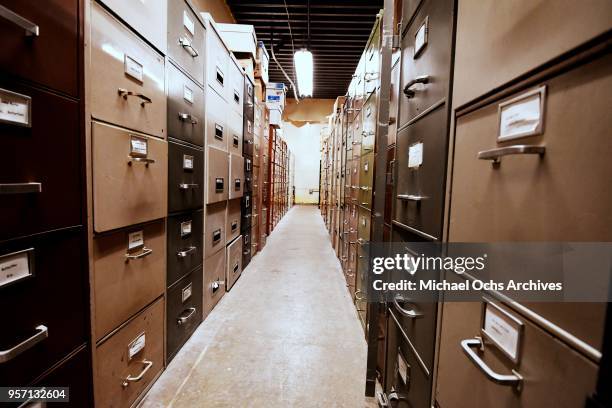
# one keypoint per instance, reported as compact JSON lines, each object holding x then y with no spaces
{"x":302,"y":61}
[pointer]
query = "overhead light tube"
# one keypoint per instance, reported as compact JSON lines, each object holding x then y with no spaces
{"x":303,"y":63}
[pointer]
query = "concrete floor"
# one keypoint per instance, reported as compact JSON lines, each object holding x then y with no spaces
{"x":287,"y":335}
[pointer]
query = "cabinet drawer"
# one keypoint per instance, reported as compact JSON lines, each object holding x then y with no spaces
{"x":233,"y":262}
{"x":372,"y":61}
{"x":246,"y":211}
{"x":249,"y":98}
{"x":130,"y":173}
{"x":186,"y":39}
{"x":248,"y":142}
{"x":217,"y":130}
{"x":363,"y":226}
{"x":366,"y":178}
{"x":236,"y":187}
{"x":217,"y":169}
{"x":232,"y":220}
{"x":389,"y":185}
{"x":234,"y":139}
{"x":185,"y":250}
{"x":55,"y":323}
{"x":185,"y":107}
{"x":218,"y":63}
{"x":128,"y":89}
{"x":135,"y":351}
{"x":183,"y":311}
{"x":215,"y":235}
{"x":31,"y":156}
{"x":50,"y":58}
{"x":214,"y":281}
{"x":248,"y":247}
{"x":393,"y":103}
{"x":185,"y":177}
{"x":235,"y":96}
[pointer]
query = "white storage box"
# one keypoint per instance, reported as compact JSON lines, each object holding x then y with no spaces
{"x":239,"y":38}
{"x":275,"y":95}
{"x":276,"y":117}
{"x":261,"y":68}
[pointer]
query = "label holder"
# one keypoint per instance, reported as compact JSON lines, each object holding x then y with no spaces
{"x":510,"y":321}
{"x":540,"y":92}
{"x":22,"y":116}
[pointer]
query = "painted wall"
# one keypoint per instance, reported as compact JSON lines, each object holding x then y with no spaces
{"x":217,"y":8}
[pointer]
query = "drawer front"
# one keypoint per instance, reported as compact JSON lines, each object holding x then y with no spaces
{"x":58,"y":284}
{"x":127,"y":279}
{"x":363,"y":226}
{"x":149,"y":19}
{"x":232,"y":220}
{"x":218,"y":60}
{"x":56,"y":48}
{"x":217,"y":129}
{"x":185,"y":107}
{"x":130,"y":173}
{"x":234,"y":139}
{"x":214,"y":280}
{"x":31,"y":157}
{"x":409,"y":7}
{"x":248,"y":175}
{"x":389,"y":184}
{"x":235,"y":96}
{"x":425,"y":75}
{"x":185,"y":177}
{"x":183,"y":311}
{"x":546,"y":365}
{"x":249,"y":99}
{"x":236,"y":185}
{"x":129,"y":88}
{"x":247,"y":144}
{"x":185,"y":250}
{"x":393,"y":103}
{"x":186,"y":39}
{"x":366,"y":178}
{"x":372,"y":61}
{"x":215,"y":235}
{"x":233,"y":262}
{"x":217,"y":168}
{"x":143,"y":340}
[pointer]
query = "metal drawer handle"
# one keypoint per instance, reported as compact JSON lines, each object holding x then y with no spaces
{"x":215,"y":286}
{"x":186,"y":44}
{"x":234,"y":225}
{"x":125,"y":93}
{"x":186,"y":186}
{"x":20,"y":188}
{"x":411,"y":197}
{"x":145,"y":252}
{"x":183,"y":319}
{"x":188,"y":117}
{"x":364,"y":188}
{"x":216,"y":235}
{"x":357,"y":296}
{"x":31,"y":29}
{"x":140,"y":160}
{"x":496,"y":154}
{"x":186,"y":252}
{"x":41,"y":333}
{"x":236,"y":267}
{"x":147,"y":365}
{"x":413,"y":313}
{"x":408,"y":91}
{"x":514,"y":379}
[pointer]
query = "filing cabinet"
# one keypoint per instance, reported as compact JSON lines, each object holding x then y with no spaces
{"x":185,"y":250}
{"x":248,"y":175}
{"x":183,"y":311}
{"x":217,"y":168}
{"x":217,"y":128}
{"x":247,"y":248}
{"x":390,"y":181}
{"x":363,"y":224}
{"x":214,"y":225}
{"x":186,"y":39}
{"x":185,"y":177}
{"x":366,"y":178}
{"x":129,"y":88}
{"x":131,"y":358}
{"x":357,"y":135}
{"x":234,"y":262}
{"x":236,"y":189}
{"x":246,"y":211}
{"x":369,"y":117}
{"x":235,"y":96}
{"x":129,"y":272}
{"x":129,"y":177}
{"x":185,"y":107}
{"x":217,"y":61}
{"x":394,"y":96}
{"x":248,"y":139}
{"x":214,"y":280}
{"x":232,"y":220}
{"x":372,"y":69}
{"x":234,"y":140}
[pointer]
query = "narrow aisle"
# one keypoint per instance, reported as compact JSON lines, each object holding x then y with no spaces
{"x":286,"y":335}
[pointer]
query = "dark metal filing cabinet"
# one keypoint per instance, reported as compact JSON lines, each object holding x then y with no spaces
{"x":186,"y":39}
{"x":389,"y":184}
{"x":232,"y":220}
{"x":185,"y":247}
{"x":185,"y":177}
{"x":394,"y":96}
{"x":183,"y":311}
{"x":185,"y":107}
{"x":215,"y":235}
{"x":248,"y":246}
{"x":217,"y":170}
{"x":246,"y":211}
{"x":248,"y":175}
{"x":233,"y":259}
{"x":214,"y":280}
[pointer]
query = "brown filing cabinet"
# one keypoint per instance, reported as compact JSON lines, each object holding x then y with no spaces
{"x":129,"y":273}
{"x":185,"y":107}
{"x":185,"y":177}
{"x":235,"y":96}
{"x":394,"y":96}
{"x":217,"y":62}
{"x":236,"y":185}
{"x":390,"y":181}
{"x":247,"y":248}
{"x":129,"y":177}
{"x":366,"y":179}
{"x":235,"y":126}
{"x":218,"y":131}
{"x":186,"y":39}
{"x":183,"y":311}
{"x":214,"y":280}
{"x":371,"y":75}
{"x":131,"y":359}
{"x":233,"y":259}
{"x":357,"y":135}
{"x":129,"y":88}
{"x":217,"y":169}
{"x":215,"y":232}
{"x":185,"y":247}
{"x":232,"y":220}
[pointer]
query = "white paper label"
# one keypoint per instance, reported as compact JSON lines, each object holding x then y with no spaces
{"x":14,"y":267}
{"x":402,"y":368}
{"x":135,"y":240}
{"x":520,"y":118}
{"x":188,"y":23}
{"x":363,"y":221}
{"x":366,"y":167}
{"x":138,"y":146}
{"x":185,"y":228}
{"x":136,"y":346}
{"x":415,"y":155}
{"x":187,"y":94}
{"x":133,"y":68}
{"x":503,"y":333}
{"x":186,"y":293}
{"x":420,"y":38}
{"x":187,"y":162}
{"x":14,"y":108}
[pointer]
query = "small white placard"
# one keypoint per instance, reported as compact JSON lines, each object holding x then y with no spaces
{"x":135,"y":240}
{"x":186,"y":293}
{"x":366,"y":167}
{"x":415,"y":155}
{"x":402,"y":368}
{"x":187,"y":162}
{"x":136,"y":346}
{"x":133,"y":68}
{"x":138,"y":146}
{"x":188,"y":23}
{"x":14,"y":267}
{"x":249,"y":126}
{"x":14,"y":108}
{"x":187,"y":94}
{"x":505,"y":335}
{"x":420,"y":38}
{"x":185,"y":228}
{"x":521,"y":116}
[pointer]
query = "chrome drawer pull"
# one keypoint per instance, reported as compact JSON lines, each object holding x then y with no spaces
{"x":496,"y":154}
{"x":514,"y":379}
{"x":183,"y":319}
{"x":187,"y":117}
{"x":364,"y":188}
{"x":411,"y":197}
{"x":125,"y":93}
{"x":413,"y":314}
{"x":41,"y":333}
{"x":31,"y":29}
{"x":147,"y":365}
{"x":20,"y":188}
{"x":186,"y":186}
{"x":408,"y":91}
{"x":145,"y":252}
{"x":357,"y":296}
{"x":215,"y":286}
{"x":397,"y":397}
{"x":186,"y":252}
{"x":140,"y":160}
{"x":186,"y":44}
